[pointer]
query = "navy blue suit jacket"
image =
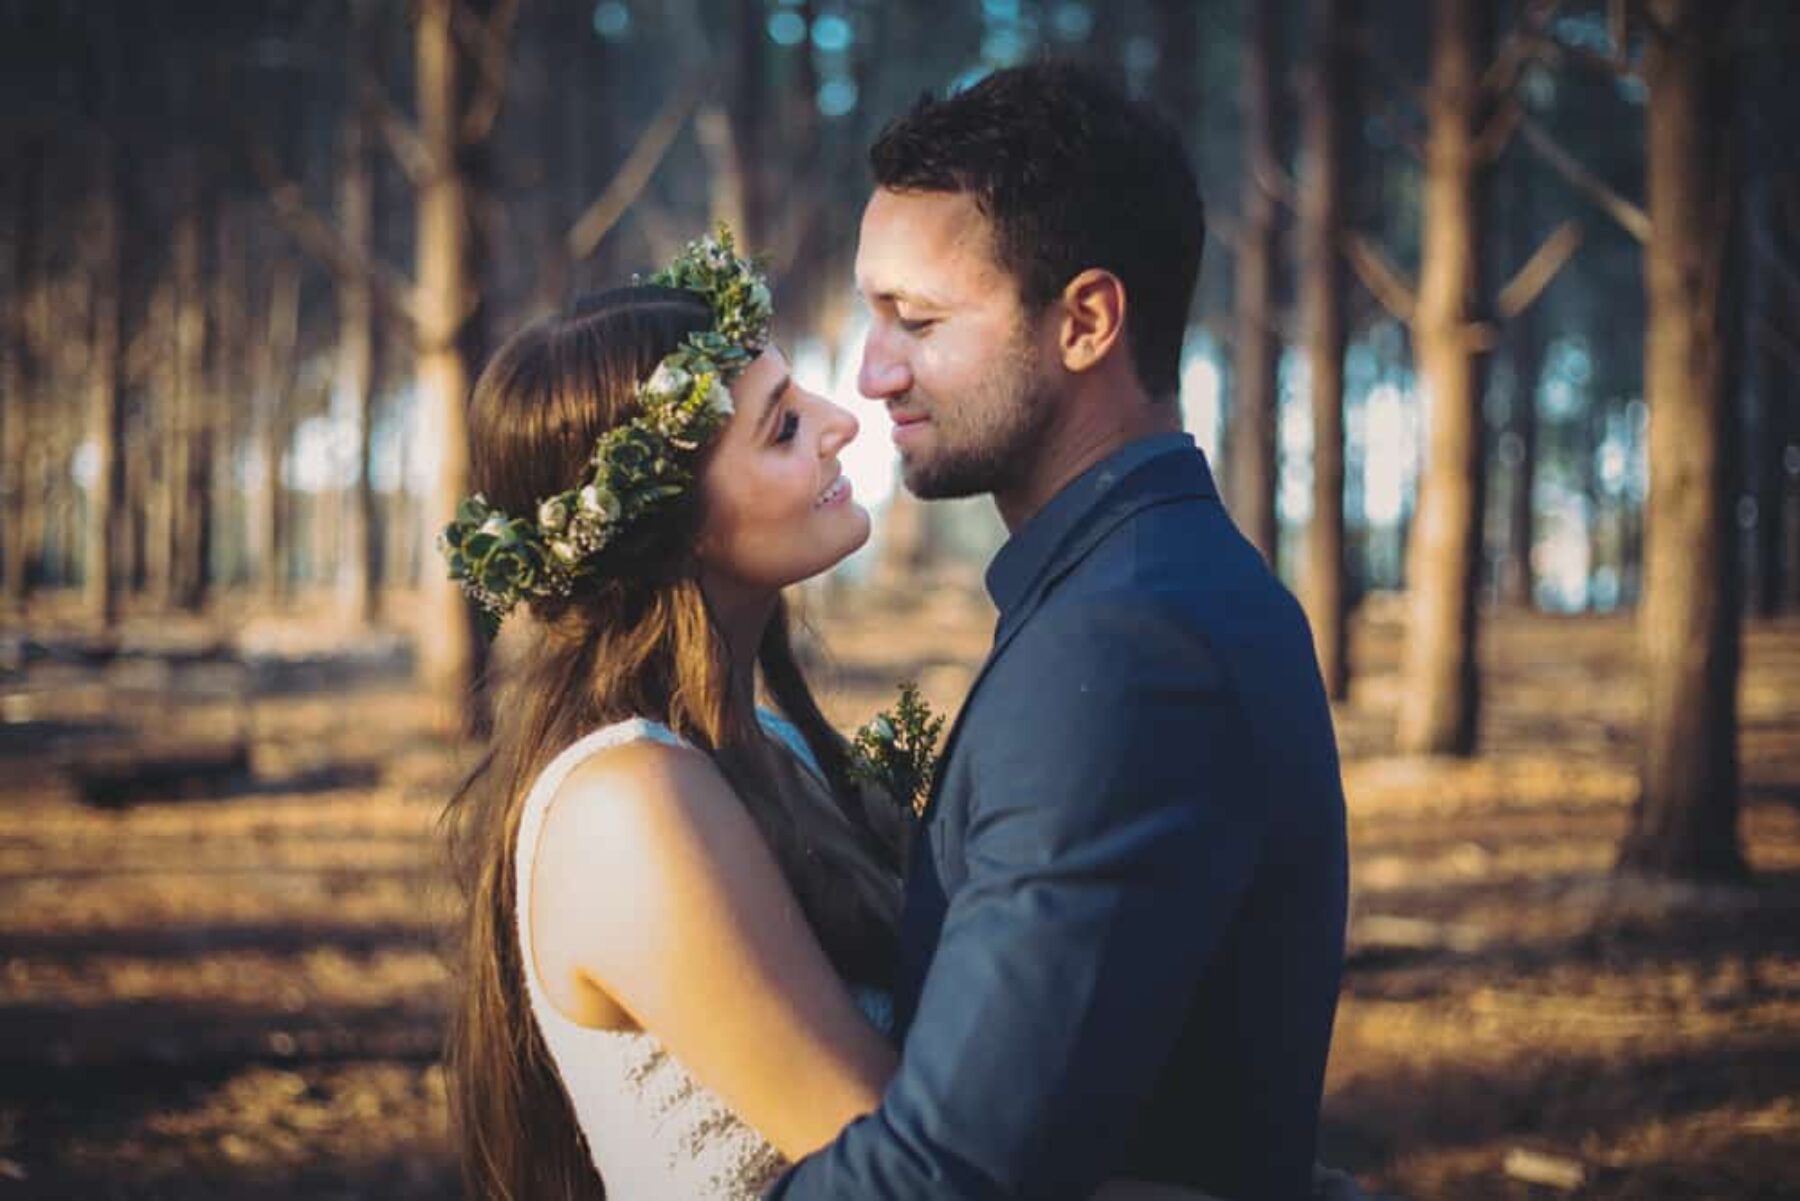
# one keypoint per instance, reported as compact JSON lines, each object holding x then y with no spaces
{"x":1124,"y":920}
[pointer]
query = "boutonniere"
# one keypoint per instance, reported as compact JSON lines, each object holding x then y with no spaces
{"x":896,"y":750}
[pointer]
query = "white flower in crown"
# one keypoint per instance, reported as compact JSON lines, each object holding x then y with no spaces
{"x":596,"y":501}
{"x":718,"y":398}
{"x":553,"y":515}
{"x":667,"y":384}
{"x":495,"y":524}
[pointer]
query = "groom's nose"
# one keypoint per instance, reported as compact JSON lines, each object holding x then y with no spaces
{"x":883,"y":373}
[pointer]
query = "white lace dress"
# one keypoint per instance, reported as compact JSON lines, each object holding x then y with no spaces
{"x":653,"y":1131}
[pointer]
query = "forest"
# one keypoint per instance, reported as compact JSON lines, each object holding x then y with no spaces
{"x":1496,"y":355}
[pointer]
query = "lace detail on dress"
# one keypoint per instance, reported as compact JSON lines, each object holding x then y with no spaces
{"x":652,"y":1130}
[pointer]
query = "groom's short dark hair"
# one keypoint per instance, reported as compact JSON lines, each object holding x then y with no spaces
{"x":1073,"y":174}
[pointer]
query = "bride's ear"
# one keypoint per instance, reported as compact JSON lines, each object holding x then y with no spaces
{"x":1093,"y":319}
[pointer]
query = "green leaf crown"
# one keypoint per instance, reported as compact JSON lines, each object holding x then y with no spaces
{"x":636,"y":468}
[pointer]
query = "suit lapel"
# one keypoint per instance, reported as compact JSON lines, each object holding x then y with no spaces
{"x":1163,"y":480}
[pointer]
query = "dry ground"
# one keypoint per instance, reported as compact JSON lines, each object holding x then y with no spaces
{"x":235,"y":992}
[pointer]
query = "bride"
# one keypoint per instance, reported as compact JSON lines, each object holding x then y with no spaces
{"x":681,"y":914}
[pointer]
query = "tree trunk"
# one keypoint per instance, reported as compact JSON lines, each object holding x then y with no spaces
{"x":1774,"y":401}
{"x":17,"y":372}
{"x":1517,"y":583}
{"x":1251,"y":455}
{"x":1774,"y":389}
{"x":274,"y":392}
{"x":1684,"y":824}
{"x":1525,"y":348}
{"x":192,"y":467}
{"x":356,"y":331}
{"x":106,"y":399}
{"x":747,"y":117}
{"x":448,"y":642}
{"x":1440,"y":702}
{"x":230,"y":380}
{"x":1327,"y":120}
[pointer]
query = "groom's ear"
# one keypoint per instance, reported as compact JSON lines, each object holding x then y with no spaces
{"x":1093,"y":319}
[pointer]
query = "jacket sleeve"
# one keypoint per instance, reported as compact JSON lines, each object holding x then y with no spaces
{"x":1110,"y":839}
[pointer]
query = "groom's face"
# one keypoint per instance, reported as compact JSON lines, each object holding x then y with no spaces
{"x":951,"y":350}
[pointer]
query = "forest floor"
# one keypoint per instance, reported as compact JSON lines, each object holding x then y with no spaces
{"x":236,"y":990}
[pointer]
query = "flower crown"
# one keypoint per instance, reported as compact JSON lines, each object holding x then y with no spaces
{"x":637,"y":467}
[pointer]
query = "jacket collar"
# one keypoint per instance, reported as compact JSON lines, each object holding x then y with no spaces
{"x":1023,"y":559}
{"x":1147,"y":471}
{"x":1141,"y":475}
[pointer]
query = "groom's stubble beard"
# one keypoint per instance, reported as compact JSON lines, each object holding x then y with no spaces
{"x":988,"y":437}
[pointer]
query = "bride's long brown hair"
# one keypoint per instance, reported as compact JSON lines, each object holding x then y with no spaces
{"x":639,"y":642}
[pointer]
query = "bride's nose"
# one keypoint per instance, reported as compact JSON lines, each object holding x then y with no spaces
{"x":840,"y":427}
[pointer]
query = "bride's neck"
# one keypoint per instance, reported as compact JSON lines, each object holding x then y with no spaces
{"x":742,"y":620}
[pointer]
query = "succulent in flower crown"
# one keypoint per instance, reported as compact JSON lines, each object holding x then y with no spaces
{"x":636,"y":468}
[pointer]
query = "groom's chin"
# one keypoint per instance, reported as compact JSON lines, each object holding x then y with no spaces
{"x":928,"y":485}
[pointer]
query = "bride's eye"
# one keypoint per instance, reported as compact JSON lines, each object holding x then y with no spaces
{"x":790,"y":425}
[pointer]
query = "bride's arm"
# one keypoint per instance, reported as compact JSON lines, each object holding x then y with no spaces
{"x":652,"y":884}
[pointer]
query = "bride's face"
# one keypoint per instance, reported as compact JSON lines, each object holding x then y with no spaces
{"x":777,"y":503}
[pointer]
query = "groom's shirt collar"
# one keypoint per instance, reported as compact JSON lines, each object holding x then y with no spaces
{"x":1028,"y":552}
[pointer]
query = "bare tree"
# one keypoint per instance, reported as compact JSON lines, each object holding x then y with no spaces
{"x":23,"y":221}
{"x":1250,"y":456}
{"x":1525,"y":353}
{"x":106,"y":399}
{"x":1685,"y":820}
{"x":277,"y":347}
{"x":190,"y":445}
{"x":459,"y":66}
{"x":1473,"y":109}
{"x":1440,"y":701}
{"x":357,"y":591}
{"x":230,"y":382}
{"x":1327,"y":120}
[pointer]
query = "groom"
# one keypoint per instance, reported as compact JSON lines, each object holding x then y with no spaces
{"x":1124,"y":920}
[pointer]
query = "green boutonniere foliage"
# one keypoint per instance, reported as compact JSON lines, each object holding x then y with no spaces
{"x":897,"y":750}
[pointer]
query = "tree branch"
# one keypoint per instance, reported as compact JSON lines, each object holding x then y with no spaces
{"x":1492,"y":140}
{"x":1634,"y":219}
{"x":401,"y":135}
{"x":629,"y":181}
{"x":1530,"y":281}
{"x":487,"y":42}
{"x":320,"y":238}
{"x":661,"y":232}
{"x":1274,"y":179}
{"x":1518,"y":49}
{"x":1551,"y":50}
{"x":1379,"y":275}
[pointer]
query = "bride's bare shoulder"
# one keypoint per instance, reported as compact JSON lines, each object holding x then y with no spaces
{"x":638,"y":792}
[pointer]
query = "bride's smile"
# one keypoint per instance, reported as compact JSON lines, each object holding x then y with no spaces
{"x":779,"y":508}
